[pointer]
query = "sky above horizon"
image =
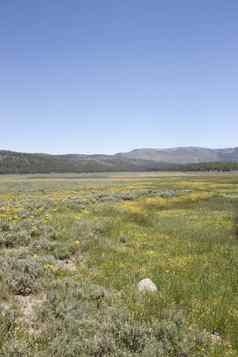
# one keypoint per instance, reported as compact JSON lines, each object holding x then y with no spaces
{"x":108,"y":76}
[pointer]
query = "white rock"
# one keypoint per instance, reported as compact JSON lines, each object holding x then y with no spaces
{"x":147,"y":285}
{"x":216,"y":338}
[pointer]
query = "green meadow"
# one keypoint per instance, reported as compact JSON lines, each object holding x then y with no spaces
{"x":74,"y":247}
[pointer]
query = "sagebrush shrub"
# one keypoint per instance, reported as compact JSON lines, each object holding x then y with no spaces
{"x":87,"y":232}
{"x":14,"y":235}
{"x":5,"y":226}
{"x":83,"y":320}
{"x":58,"y":249}
{"x":21,"y":274}
{"x":7,"y":325}
{"x":63,"y":250}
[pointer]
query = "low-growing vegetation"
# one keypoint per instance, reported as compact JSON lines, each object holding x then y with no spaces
{"x":72,"y":252}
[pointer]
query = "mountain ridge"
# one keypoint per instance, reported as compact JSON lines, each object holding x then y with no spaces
{"x":184,"y":155}
{"x":135,"y":160}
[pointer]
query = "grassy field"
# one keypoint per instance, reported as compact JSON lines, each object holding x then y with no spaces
{"x":74,"y":247}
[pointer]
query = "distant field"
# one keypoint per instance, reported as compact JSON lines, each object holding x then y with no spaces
{"x":74,"y":247}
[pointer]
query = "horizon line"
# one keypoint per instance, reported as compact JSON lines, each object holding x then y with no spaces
{"x":121,"y":152}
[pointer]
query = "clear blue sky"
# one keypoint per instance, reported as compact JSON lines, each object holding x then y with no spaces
{"x":84,"y":76}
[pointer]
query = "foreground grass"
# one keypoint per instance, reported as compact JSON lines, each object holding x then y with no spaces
{"x":99,"y":237}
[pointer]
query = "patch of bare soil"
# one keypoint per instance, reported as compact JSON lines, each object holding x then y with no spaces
{"x":27,"y":306}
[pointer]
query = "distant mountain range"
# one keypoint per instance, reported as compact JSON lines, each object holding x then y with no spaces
{"x":183,"y":155}
{"x":181,"y":158}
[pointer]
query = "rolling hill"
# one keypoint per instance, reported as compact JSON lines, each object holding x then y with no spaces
{"x":182,"y":158}
{"x":183,"y":155}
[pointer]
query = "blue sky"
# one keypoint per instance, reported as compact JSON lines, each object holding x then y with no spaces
{"x":107,"y":76}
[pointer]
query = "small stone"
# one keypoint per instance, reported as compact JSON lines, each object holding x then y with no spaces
{"x":216,"y":338}
{"x":147,"y":285}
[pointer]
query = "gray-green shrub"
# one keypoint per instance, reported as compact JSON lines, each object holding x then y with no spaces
{"x":82,"y":320}
{"x":21,"y":274}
